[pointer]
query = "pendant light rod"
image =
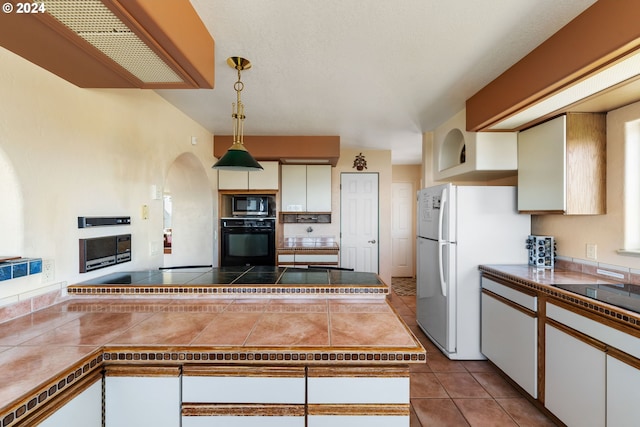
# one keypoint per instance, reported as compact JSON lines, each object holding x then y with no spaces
{"x":237,"y":157}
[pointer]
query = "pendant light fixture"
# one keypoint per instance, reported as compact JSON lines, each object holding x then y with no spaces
{"x":237,"y":158}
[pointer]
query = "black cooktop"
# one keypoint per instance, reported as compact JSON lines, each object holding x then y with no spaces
{"x":621,"y":295}
{"x":240,"y":275}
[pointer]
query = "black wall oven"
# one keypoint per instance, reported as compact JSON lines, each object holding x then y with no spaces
{"x":248,"y":241}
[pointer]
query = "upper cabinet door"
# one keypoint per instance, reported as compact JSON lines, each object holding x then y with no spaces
{"x":562,"y":166}
{"x":306,"y":188}
{"x":542,"y":167}
{"x":233,"y":180}
{"x":319,"y":188}
{"x":266,"y":179}
{"x":294,"y":188}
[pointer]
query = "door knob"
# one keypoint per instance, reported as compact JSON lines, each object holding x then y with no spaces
{"x":372,"y":241}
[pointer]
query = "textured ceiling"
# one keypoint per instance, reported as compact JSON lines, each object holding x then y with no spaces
{"x":375,"y":72}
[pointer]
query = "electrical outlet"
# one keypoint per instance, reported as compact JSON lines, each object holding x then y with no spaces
{"x":48,"y":271}
{"x":592,"y":251}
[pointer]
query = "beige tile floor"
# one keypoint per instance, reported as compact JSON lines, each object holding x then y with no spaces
{"x":446,"y":393}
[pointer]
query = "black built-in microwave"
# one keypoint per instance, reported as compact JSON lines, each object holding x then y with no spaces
{"x":248,"y":205}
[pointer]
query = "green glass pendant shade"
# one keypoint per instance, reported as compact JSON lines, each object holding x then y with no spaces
{"x":237,"y":160}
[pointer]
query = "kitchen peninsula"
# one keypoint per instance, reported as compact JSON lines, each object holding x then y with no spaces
{"x":288,"y":345}
{"x":566,"y":337}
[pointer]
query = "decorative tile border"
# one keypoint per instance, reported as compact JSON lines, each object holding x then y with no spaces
{"x":40,"y":397}
{"x":326,"y":291}
{"x":261,"y":356}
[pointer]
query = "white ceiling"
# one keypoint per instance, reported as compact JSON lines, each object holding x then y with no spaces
{"x":378,"y":73}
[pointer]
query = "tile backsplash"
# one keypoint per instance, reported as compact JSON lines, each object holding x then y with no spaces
{"x":21,"y":267}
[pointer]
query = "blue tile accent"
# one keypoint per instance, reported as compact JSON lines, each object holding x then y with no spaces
{"x":5,"y":271}
{"x":35,"y":266}
{"x":20,"y":269}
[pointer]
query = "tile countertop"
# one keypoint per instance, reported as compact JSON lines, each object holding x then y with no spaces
{"x":572,"y":286}
{"x":233,"y":282}
{"x":56,"y":346}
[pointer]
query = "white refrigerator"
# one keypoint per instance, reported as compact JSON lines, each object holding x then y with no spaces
{"x":459,"y":228}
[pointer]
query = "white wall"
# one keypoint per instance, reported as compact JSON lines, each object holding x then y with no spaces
{"x":85,"y":152}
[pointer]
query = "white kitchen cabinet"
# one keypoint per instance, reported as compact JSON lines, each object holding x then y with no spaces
{"x":236,"y":396}
{"x":142,"y":396}
{"x":266,"y":179}
{"x":509,"y":333}
{"x":358,"y":420}
{"x":562,"y":165}
{"x":84,"y":410}
{"x":243,"y":421}
{"x":319,"y":188}
{"x":306,"y":188}
{"x":341,"y":397}
{"x":623,"y":383}
{"x":575,"y":379}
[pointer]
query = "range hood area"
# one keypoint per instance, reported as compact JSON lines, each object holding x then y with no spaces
{"x":287,"y":149}
{"x":114,"y":43}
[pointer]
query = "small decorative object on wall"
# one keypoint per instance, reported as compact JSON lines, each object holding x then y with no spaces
{"x":359,"y":162}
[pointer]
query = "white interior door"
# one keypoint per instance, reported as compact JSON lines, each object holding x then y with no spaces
{"x":402,"y":234}
{"x":359,"y":221}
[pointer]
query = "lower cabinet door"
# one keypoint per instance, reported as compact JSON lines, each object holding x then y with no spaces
{"x":623,"y":383}
{"x":142,"y":397}
{"x":242,"y":421}
{"x":358,"y":396}
{"x":510,"y":341}
{"x":84,"y":410}
{"x":574,"y":379}
{"x":357,"y":420}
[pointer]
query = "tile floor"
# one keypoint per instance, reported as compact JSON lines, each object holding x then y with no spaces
{"x":446,"y":393}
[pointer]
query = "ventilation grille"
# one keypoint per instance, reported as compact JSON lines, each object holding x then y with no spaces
{"x":96,"y":24}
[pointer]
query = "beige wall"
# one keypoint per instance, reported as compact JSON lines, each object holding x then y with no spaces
{"x":83,"y":152}
{"x":378,"y":161}
{"x":572,"y":233}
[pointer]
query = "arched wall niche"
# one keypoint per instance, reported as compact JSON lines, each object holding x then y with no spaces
{"x":192,"y":227}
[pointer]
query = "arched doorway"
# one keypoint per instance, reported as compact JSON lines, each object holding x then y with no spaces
{"x":11,"y":213}
{"x":191,"y":214}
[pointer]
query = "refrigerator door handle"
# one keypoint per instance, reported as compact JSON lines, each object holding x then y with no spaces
{"x":443,"y":284}
{"x":443,"y":201}
{"x":441,"y":243}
